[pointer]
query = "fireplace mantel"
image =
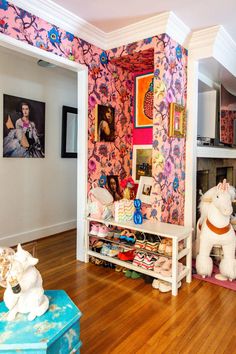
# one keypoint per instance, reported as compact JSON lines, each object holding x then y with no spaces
{"x":216,"y":152}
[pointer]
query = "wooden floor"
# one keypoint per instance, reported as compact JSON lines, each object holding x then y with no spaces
{"x":128,"y":316}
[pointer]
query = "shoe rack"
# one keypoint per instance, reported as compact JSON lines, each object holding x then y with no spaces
{"x":175,"y":233}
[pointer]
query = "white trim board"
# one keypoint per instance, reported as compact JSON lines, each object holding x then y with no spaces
{"x":31,"y":235}
{"x":55,"y":14}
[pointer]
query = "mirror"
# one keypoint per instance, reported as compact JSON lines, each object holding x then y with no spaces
{"x":69,"y":132}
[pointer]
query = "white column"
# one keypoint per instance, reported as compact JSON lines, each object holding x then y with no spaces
{"x":82,"y":163}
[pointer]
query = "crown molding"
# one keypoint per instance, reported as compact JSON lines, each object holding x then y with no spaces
{"x":177,"y":29}
{"x":55,"y":14}
{"x":225,"y":50}
{"x":59,"y":16}
{"x":213,"y":42}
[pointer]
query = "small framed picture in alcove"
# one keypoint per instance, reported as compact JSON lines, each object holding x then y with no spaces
{"x":104,"y":123}
{"x":177,"y":120}
{"x":145,"y":189}
{"x":142,"y":161}
{"x":143,"y":113}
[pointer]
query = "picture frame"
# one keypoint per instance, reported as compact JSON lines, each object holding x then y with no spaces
{"x":142,"y":162}
{"x":104,"y":123}
{"x":145,"y":189}
{"x":113,"y":186}
{"x":143,"y":100}
{"x":177,"y":120}
{"x":69,"y":132}
{"x":23,"y":127}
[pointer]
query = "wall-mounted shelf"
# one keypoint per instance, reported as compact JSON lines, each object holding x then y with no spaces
{"x":216,"y":152}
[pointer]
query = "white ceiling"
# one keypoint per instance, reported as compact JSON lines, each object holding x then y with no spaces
{"x":109,"y":15}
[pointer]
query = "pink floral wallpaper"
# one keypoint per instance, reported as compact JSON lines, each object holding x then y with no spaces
{"x":111,"y":82}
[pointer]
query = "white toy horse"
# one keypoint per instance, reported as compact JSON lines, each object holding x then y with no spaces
{"x":215,"y":229}
{"x":30,"y":298}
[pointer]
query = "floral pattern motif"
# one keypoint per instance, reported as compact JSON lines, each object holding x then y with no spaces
{"x":111,"y":82}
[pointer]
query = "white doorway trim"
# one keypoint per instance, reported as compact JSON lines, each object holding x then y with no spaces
{"x":82,"y":141}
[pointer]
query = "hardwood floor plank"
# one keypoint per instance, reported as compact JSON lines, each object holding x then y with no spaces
{"x":122,"y":315}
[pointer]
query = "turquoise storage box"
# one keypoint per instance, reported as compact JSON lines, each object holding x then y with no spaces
{"x":56,"y":332}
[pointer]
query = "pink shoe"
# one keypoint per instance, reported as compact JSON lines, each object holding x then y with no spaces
{"x":94,"y":229}
{"x":103,"y":231}
{"x":158,"y":264}
{"x":166,"y":268}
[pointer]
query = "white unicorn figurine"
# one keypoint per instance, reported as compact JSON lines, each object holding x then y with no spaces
{"x":29,"y":297}
{"x":214,"y":228}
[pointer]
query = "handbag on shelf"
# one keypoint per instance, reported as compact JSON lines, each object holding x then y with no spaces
{"x":100,"y":203}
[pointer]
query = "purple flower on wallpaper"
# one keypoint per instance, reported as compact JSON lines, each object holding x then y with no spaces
{"x":160,"y":178}
{"x":157,"y":73}
{"x":176,"y":184}
{"x":92,"y":166}
{"x":183,"y":175}
{"x":129,"y":85}
{"x":176,"y":151}
{"x":178,"y":52}
{"x":162,"y":106}
{"x":3,"y":5}
{"x":153,"y":213}
{"x":103,"y":150}
{"x":175,"y":215}
{"x":155,"y":144}
{"x":103,"y":58}
{"x":167,"y":168}
{"x":170,"y":96}
{"x":178,"y":85}
{"x":69,"y":36}
{"x":103,"y":89}
{"x":54,"y":36}
{"x":92,"y":101}
{"x":114,"y":50}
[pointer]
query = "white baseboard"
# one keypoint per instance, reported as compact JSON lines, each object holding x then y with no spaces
{"x":27,"y":236}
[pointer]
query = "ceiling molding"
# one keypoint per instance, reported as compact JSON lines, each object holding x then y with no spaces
{"x":60,"y":17}
{"x":166,"y":22}
{"x":177,"y":29}
{"x":213,"y":42}
{"x":225,"y":50}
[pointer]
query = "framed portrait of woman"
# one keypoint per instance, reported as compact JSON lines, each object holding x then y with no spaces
{"x":23,"y":127}
{"x":113,"y":187}
{"x":104,"y":123}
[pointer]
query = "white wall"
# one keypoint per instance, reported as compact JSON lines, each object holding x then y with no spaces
{"x":37,"y":196}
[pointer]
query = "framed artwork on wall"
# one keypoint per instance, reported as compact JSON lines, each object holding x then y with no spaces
{"x":113,"y":187}
{"x":142,"y":161}
{"x":145,"y":189}
{"x":69,"y":132}
{"x":177,"y":120}
{"x":143,"y":114}
{"x":104,"y":123}
{"x":23,"y":127}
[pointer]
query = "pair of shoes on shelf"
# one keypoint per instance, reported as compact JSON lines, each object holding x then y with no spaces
{"x":163,"y":266}
{"x":144,"y":260}
{"x":163,"y":286}
{"x":127,"y":256}
{"x":99,"y":230}
{"x":110,"y":250}
{"x":132,"y":274}
{"x":128,"y":237}
{"x":165,"y":247}
{"x":148,"y":242}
